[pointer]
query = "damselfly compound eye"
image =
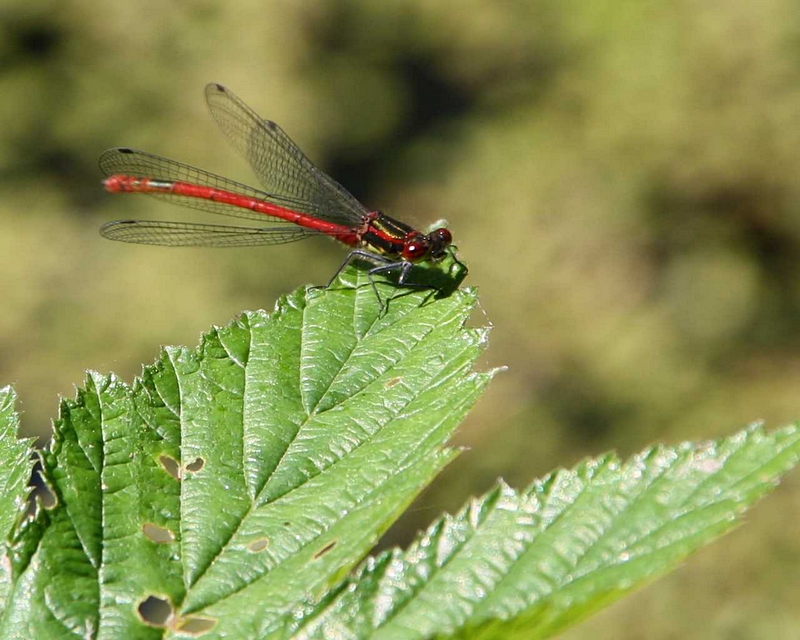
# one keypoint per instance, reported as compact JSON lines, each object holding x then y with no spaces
{"x":442,"y":237}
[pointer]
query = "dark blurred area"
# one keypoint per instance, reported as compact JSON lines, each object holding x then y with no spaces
{"x":621,"y":177}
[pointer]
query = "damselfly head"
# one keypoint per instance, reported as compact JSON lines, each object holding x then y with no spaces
{"x":440,"y":240}
{"x":418,"y":246}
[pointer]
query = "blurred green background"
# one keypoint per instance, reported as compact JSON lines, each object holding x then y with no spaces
{"x":622,"y":177}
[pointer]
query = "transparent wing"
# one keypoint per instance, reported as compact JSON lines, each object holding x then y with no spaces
{"x":147,"y":165}
{"x":187,"y":234}
{"x":283,"y":169}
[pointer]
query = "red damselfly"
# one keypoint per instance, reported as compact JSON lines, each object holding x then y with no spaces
{"x":295,"y":191}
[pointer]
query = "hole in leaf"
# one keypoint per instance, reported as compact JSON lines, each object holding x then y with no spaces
{"x":258,"y":545}
{"x":392,"y":382}
{"x":157,"y":534}
{"x":325,"y":549}
{"x":154,"y":611}
{"x":40,"y":491}
{"x":195,"y":625}
{"x":46,"y":496}
{"x":196,"y":465}
{"x":170,"y":465}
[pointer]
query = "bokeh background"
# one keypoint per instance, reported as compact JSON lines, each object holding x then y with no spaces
{"x":622,"y":177}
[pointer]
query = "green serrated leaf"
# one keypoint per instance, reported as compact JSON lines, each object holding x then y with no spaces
{"x":527,"y":565}
{"x":15,"y":471}
{"x":234,"y":481}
